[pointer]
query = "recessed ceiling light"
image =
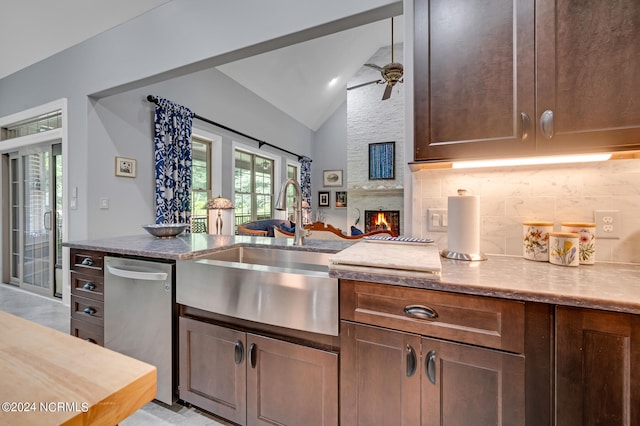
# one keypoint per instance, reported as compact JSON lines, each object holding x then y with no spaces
{"x":333,"y":81}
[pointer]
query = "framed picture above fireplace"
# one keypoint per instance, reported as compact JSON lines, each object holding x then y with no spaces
{"x":382,"y":160}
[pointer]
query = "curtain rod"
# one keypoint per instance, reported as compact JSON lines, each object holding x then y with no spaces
{"x":154,"y":100}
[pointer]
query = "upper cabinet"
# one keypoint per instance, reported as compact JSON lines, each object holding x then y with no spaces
{"x":500,"y":78}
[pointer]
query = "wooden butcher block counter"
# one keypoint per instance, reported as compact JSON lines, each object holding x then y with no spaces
{"x":50,"y":378}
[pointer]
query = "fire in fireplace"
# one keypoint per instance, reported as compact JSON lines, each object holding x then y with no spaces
{"x":382,"y":219}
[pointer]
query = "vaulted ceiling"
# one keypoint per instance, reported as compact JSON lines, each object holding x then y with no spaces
{"x":307,"y":80}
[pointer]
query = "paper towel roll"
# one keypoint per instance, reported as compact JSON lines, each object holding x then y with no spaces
{"x":464,"y":224}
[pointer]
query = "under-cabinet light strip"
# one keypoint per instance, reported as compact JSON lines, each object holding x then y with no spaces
{"x":528,"y":161}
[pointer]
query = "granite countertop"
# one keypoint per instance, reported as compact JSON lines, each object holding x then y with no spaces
{"x":608,"y":286}
{"x":192,"y":246}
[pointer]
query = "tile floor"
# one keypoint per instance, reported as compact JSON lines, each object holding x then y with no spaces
{"x":52,"y":313}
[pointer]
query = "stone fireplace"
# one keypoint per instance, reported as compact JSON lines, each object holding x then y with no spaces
{"x":375,"y":220}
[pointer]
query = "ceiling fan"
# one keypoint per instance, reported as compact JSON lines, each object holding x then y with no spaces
{"x":391,"y":73}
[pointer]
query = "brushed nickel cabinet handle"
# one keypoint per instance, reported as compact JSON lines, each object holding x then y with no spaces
{"x":525,"y":126}
{"x":89,"y":286}
{"x":89,"y":310}
{"x":421,"y":312}
{"x":239,"y":352}
{"x":252,"y":355}
{"x":412,"y":361}
{"x":546,"y":124}
{"x":430,"y":362}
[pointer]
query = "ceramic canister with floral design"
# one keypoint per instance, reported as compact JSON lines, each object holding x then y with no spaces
{"x":587,"y":233}
{"x":535,"y":239}
{"x":564,"y":248}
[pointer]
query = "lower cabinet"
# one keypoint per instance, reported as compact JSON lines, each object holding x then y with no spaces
{"x":255,"y":380}
{"x":597,"y":368}
{"x":393,"y":377}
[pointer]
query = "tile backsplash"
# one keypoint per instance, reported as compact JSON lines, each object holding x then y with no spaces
{"x":558,"y":193}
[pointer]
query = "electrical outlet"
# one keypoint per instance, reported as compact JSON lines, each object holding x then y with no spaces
{"x":607,"y":223}
{"x":437,"y":220}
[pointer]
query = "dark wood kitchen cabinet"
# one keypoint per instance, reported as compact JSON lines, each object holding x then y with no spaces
{"x":256,"y":380}
{"x":504,"y":78}
{"x":413,"y":356}
{"x":598,"y":368}
{"x":87,"y":295}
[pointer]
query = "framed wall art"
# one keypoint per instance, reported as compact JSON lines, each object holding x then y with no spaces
{"x":332,"y":177}
{"x":341,"y":199}
{"x":323,"y":198}
{"x":125,"y":167}
{"x":382,"y":160}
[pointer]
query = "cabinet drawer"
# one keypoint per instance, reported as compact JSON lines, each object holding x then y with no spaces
{"x":88,"y":286}
{"x":476,"y":320}
{"x":87,"y":262}
{"x":87,"y":310}
{"x":86,"y":331}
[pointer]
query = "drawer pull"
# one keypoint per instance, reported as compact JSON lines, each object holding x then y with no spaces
{"x":421,"y":312}
{"x":430,"y":362}
{"x":89,"y":310}
{"x":90,"y":340}
{"x":239,"y":352}
{"x":87,"y":261}
{"x":252,"y":355}
{"x":412,"y":361}
{"x":89,"y":286}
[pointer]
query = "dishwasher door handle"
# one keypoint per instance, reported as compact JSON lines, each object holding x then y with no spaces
{"x":137,"y":275}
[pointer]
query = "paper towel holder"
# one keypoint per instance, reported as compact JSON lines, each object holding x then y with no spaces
{"x":449,"y":254}
{"x":462,"y":256}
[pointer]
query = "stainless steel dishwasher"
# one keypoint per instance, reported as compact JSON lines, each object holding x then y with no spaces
{"x":138,"y":315}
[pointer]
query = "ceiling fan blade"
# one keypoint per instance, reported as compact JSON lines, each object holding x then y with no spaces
{"x":387,"y":92}
{"x":365,"y":84}
{"x":374,"y":66}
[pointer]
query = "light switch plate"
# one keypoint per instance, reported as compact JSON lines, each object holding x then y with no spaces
{"x":437,"y":220}
{"x":104,"y":203}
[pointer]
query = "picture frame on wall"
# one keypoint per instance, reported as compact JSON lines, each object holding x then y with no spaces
{"x":125,"y":167}
{"x":341,"y":199}
{"x":382,"y":160}
{"x":332,"y":178}
{"x":323,"y":198}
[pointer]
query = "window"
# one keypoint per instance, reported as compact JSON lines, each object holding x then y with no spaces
{"x":292,"y":173}
{"x":253,"y":187}
{"x":201,"y":183}
{"x":42,"y":123}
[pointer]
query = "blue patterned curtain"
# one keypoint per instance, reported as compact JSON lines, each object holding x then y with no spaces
{"x":305,"y":186}
{"x":172,"y":142}
{"x":305,"y":179}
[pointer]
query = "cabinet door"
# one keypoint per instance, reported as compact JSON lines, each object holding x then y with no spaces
{"x":465,"y":384}
{"x":597,"y":368}
{"x":473,"y":78}
{"x":289,"y":384}
{"x":588,"y":73}
{"x":213,"y":368}
{"x":379,"y":376}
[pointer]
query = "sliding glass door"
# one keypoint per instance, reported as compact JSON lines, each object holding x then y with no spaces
{"x":36,"y":223}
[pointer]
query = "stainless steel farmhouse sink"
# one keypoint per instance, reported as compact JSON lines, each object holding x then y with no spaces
{"x":287,"y":288}
{"x":294,"y":259}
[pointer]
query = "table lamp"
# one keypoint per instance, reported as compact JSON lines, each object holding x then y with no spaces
{"x":219,"y":203}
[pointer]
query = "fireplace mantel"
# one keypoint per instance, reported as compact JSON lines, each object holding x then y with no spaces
{"x":376,"y":191}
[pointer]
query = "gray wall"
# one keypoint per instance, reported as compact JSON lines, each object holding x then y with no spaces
{"x":329,"y":152}
{"x":173,"y":40}
{"x":122,"y":125}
